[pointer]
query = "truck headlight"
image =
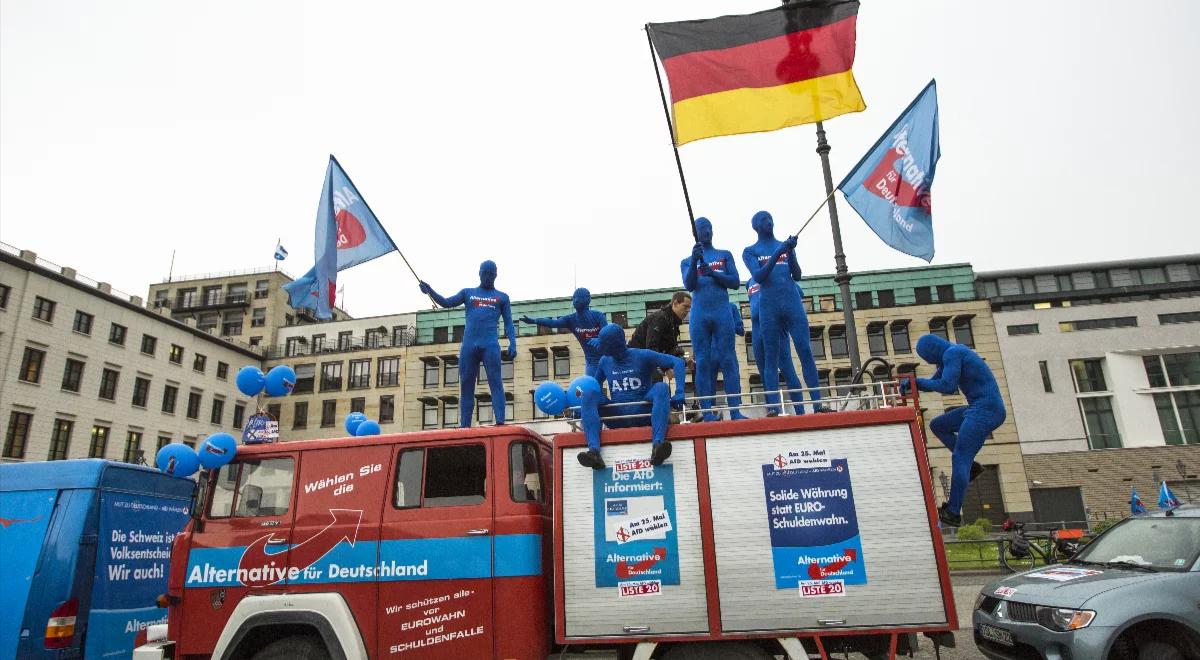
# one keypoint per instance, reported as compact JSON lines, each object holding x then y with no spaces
{"x":1062,"y":619}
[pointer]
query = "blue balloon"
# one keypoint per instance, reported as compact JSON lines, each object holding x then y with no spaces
{"x":250,"y":380}
{"x":178,"y":460}
{"x":578,"y":387}
{"x":353,"y":420}
{"x":217,"y":450}
{"x":550,"y":398}
{"x":280,"y":380}
{"x":367,"y":427}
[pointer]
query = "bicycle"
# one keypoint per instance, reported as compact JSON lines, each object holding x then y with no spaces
{"x":1020,"y":551}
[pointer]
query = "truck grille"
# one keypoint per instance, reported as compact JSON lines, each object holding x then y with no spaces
{"x":1022,"y":612}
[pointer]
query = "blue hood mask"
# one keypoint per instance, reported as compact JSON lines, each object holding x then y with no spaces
{"x":611,"y":340}
{"x":932,"y":348}
{"x":581,"y":299}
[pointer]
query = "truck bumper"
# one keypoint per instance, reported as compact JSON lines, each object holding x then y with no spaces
{"x":155,"y":651}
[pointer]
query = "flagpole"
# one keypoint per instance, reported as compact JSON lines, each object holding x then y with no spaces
{"x":671,"y":131}
{"x":842,"y":276}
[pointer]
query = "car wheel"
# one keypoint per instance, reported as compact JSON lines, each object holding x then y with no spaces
{"x":298,"y":647}
{"x":1158,"y":651}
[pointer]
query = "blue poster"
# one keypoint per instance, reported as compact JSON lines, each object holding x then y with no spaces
{"x":813,"y":522}
{"x":635,"y":533}
{"x":134,"y":553}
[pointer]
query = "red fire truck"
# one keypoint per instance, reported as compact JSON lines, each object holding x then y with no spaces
{"x":778,"y":535}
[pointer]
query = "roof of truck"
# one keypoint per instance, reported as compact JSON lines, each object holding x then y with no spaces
{"x":450,"y":435}
{"x":90,"y":473}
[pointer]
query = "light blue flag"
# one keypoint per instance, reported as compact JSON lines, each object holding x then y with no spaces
{"x":1136,"y":506}
{"x":280,"y":251}
{"x":1167,"y":499}
{"x":890,"y":187}
{"x":348,"y":234}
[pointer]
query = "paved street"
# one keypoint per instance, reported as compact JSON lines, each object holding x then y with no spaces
{"x":966,"y":587}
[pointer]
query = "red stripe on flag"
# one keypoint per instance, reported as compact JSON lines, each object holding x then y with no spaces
{"x":776,"y":61}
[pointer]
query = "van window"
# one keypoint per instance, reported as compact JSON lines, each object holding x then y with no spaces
{"x":262,"y":488}
{"x":525,"y":478}
{"x":449,"y":476}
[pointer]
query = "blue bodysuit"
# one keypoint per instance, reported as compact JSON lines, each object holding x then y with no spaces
{"x":709,"y":274}
{"x":585,"y":324}
{"x":629,"y":373}
{"x":962,"y":430}
{"x":772,"y":264}
{"x":481,"y":343}
{"x":785,"y":351}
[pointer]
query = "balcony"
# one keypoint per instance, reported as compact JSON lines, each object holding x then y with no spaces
{"x":210,"y":302}
{"x":302,"y":347}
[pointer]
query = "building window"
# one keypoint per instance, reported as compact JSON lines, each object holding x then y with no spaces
{"x":149,"y":345}
{"x":621,"y":319}
{"x":887,"y":297}
{"x":255,"y":341}
{"x":1045,"y":369}
{"x":1181,"y":317}
{"x":506,"y":369}
{"x":562,"y":363}
{"x":275,"y":410}
{"x":842,"y":379}
{"x":358,"y":404}
{"x":300,"y":415}
{"x":441,"y":335}
{"x":1099,"y":422}
{"x":541,"y":364}
{"x":877,"y":338}
{"x":116,"y":334}
{"x":72,"y":375}
{"x":457,"y":332}
{"x":862,"y":300}
{"x":1089,"y":375}
{"x":450,"y":413}
{"x":400,"y":336}
{"x":258,"y":317}
{"x":749,"y":341}
{"x":900,"y":340}
{"x":429,"y":414}
{"x":389,"y":372}
{"x":328,"y":413}
{"x":937,"y":328}
{"x":218,"y":411}
{"x":108,"y":384}
{"x":537,"y":412}
{"x":193,"y":405}
{"x":1179,"y":416}
{"x":163,"y":441}
{"x":1023,"y":329}
{"x":827,"y":304}
{"x":449,"y":371}
{"x":43,"y":309}
{"x":232,"y":325}
{"x":483,"y":409}
{"x":345,"y":339}
{"x":360,"y":374}
{"x":141,"y":391}
{"x":222,"y":371}
{"x":99,"y":441}
{"x":331,"y":376}
{"x":60,"y":439}
{"x":239,"y":415}
{"x":4,"y":291}
{"x":510,"y":407}
{"x":133,"y":447}
{"x":261,"y":289}
{"x":176,"y":356}
{"x":962,"y":331}
{"x":291,"y":346}
{"x":923,"y":295}
{"x":374,"y":337}
{"x":83,"y":322}
{"x":837,"y":341}
{"x":31,"y":365}
{"x":387,"y":409}
{"x":17,"y":435}
{"x":170,"y":393}
{"x":1098,"y":324}
{"x":199,"y":362}
{"x":945,"y":293}
{"x":432,"y":372}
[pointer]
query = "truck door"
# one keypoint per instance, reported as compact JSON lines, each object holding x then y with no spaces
{"x":243,"y":548}
{"x":435,"y":553}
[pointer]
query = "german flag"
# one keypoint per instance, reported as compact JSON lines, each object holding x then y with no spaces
{"x":759,"y":72}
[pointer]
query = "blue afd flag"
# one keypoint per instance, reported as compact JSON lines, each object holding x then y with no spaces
{"x":348,"y":234}
{"x":1136,"y":505}
{"x":1167,"y":499}
{"x":890,"y":186}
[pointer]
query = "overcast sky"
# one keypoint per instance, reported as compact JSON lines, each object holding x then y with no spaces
{"x":532,"y":133}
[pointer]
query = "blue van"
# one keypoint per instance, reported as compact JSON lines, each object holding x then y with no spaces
{"x":84,"y":551}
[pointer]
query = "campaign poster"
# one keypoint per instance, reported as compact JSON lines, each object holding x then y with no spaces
{"x":132,"y":559}
{"x":635,"y":533}
{"x":813,"y":522}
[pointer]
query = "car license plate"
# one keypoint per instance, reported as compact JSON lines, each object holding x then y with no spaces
{"x":998,"y":635}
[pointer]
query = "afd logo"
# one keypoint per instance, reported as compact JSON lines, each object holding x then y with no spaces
{"x":626,"y":384}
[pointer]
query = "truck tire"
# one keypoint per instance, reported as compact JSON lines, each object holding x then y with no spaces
{"x":716,"y":651}
{"x":297,"y":647}
{"x":1158,"y":651}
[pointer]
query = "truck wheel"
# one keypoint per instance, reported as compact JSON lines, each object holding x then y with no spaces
{"x":298,"y":647}
{"x":716,"y":651}
{"x":1158,"y":651}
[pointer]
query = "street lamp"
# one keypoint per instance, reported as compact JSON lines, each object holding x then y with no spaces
{"x":1183,"y":472}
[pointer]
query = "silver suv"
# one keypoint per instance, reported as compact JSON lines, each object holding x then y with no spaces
{"x":1131,"y":594}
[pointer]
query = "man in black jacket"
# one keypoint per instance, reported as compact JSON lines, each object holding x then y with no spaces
{"x":659,"y":331}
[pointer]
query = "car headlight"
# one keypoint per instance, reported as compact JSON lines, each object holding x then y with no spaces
{"x":979,"y":600}
{"x":1062,"y":619}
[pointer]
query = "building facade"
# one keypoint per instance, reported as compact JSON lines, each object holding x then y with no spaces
{"x":88,"y":372}
{"x":1103,"y":362}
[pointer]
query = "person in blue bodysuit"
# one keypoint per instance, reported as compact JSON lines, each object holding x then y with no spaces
{"x":964,"y":429}
{"x":629,"y":373}
{"x":773,"y":265}
{"x":585,"y":324}
{"x":485,"y":306}
{"x":785,"y":351}
{"x":709,"y":274}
